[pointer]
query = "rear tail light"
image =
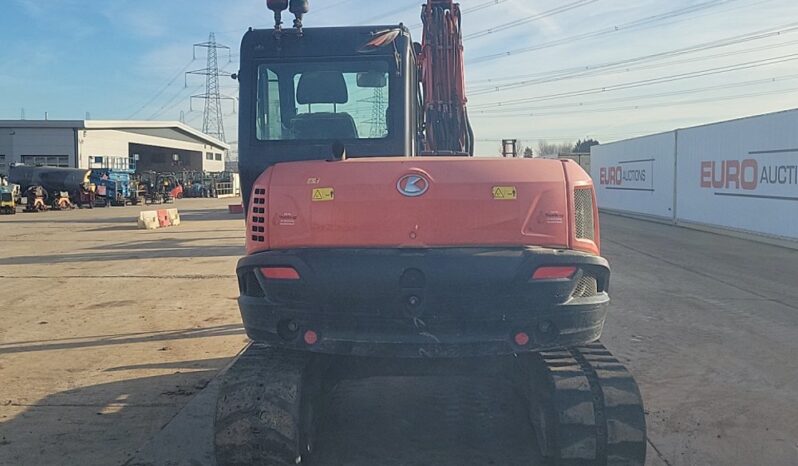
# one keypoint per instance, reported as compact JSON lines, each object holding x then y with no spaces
{"x":311,"y":337}
{"x":554,"y":273}
{"x":521,"y":339}
{"x":280,"y":273}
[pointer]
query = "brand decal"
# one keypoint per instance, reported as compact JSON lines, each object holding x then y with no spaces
{"x":632,"y":175}
{"x":287,"y":219}
{"x":748,"y":175}
{"x":412,"y":185}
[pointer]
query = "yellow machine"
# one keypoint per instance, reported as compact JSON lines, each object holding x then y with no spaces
{"x":7,"y":204}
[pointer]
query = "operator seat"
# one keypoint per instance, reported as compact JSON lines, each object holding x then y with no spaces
{"x":323,"y":87}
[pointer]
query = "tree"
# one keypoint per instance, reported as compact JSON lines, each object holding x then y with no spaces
{"x":584,"y":146}
{"x":549,"y":150}
{"x":528,"y":153}
{"x":546,"y":150}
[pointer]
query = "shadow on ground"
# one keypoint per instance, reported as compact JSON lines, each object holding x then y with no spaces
{"x":119,"y":339}
{"x":148,"y":249}
{"x":406,"y":421}
{"x":102,"y":424}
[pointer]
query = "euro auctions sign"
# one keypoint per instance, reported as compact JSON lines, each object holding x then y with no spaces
{"x":762,"y":174}
{"x":630,"y":175}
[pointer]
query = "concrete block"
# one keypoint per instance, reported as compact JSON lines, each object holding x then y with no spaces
{"x":162,"y":218}
{"x":148,"y":220}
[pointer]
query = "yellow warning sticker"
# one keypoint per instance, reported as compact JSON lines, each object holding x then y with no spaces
{"x":323,"y":194}
{"x":505,"y":193}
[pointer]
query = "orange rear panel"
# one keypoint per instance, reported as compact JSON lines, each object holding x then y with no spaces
{"x":414,"y":203}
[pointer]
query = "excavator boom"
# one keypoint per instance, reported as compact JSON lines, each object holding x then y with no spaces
{"x":446,"y":126}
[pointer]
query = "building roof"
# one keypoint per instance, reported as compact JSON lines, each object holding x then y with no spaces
{"x":137,"y":126}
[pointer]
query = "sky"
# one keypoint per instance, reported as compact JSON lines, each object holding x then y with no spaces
{"x":537,"y":69}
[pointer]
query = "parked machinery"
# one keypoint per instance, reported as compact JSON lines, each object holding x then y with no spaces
{"x":160,"y":188}
{"x":61,"y":201}
{"x":207,"y":184}
{"x":36,"y":197}
{"x":113,"y":177}
{"x":383,"y":248}
{"x":45,"y":186}
{"x":87,"y":196}
{"x":8,"y":205}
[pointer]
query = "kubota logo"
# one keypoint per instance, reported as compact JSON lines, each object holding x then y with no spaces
{"x":412,"y":185}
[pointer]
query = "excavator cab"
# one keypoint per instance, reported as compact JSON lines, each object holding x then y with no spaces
{"x":325,"y":93}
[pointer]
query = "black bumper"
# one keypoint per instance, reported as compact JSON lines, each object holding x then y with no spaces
{"x":451,"y":302}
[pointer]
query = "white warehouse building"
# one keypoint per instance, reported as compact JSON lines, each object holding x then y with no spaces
{"x":161,"y":146}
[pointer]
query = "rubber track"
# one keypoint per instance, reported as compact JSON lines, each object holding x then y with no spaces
{"x":586,"y":408}
{"x":258,"y":417}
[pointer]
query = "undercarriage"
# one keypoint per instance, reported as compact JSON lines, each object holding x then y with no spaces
{"x":321,"y":317}
{"x":582,"y":404}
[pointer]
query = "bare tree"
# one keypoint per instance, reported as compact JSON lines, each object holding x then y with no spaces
{"x":552,"y":150}
{"x":546,"y":150}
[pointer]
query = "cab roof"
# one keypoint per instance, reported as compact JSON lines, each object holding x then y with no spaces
{"x":317,"y":42}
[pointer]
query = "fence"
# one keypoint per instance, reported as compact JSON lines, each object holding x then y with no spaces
{"x":740,"y":175}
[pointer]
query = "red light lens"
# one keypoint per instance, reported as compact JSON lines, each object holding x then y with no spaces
{"x":280,"y":273}
{"x":554,"y":273}
{"x":311,"y":337}
{"x":521,"y":339}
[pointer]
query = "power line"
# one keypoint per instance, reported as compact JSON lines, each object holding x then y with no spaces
{"x":631,"y":25}
{"x":482,"y":6}
{"x":332,"y":5}
{"x":564,"y":138}
{"x":168,"y":105}
{"x":613,"y":68}
{"x":161,"y":91}
{"x":661,"y":104}
{"x":530,"y":111}
{"x":529,"y":19}
{"x":402,"y":9}
{"x":646,"y":82}
{"x":475,"y":8}
{"x":756,"y":35}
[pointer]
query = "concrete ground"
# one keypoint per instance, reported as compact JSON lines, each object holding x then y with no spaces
{"x":111,"y":338}
{"x":108,"y":331}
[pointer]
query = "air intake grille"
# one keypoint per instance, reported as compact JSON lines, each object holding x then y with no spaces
{"x":583,"y":211}
{"x":586,"y":287}
{"x":258,"y":216}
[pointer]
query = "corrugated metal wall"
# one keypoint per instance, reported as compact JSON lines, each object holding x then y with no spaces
{"x":16,"y":143}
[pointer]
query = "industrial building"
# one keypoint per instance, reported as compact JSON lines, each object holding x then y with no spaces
{"x":161,"y":146}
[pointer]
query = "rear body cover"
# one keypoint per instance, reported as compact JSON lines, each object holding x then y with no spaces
{"x":422,"y":257}
{"x":421,"y":202}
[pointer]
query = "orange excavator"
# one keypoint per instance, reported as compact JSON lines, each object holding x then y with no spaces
{"x":377,"y":243}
